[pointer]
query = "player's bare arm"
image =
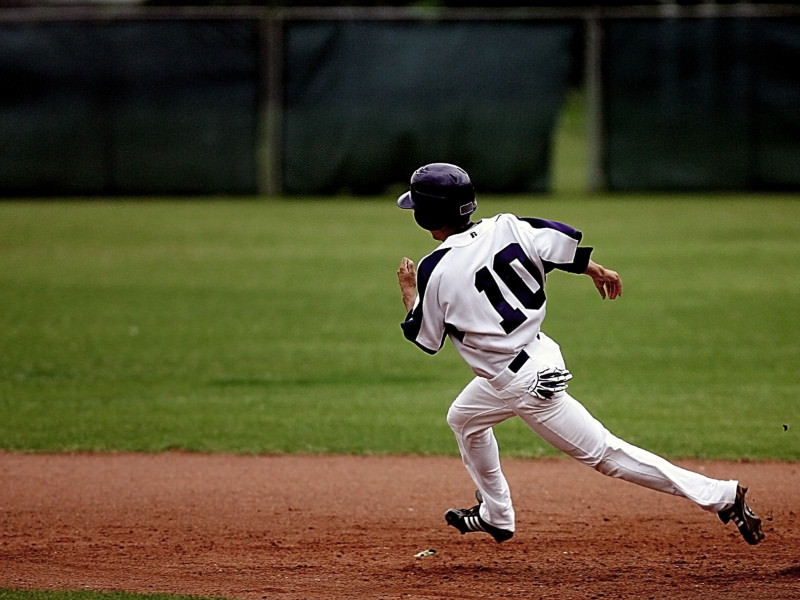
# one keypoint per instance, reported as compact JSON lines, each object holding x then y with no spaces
{"x":607,"y":282}
{"x":407,"y":278}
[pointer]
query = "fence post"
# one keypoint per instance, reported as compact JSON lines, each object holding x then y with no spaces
{"x":269,"y":176}
{"x":595,"y":139}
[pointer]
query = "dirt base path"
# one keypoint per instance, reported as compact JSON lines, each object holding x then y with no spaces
{"x":318,"y":527}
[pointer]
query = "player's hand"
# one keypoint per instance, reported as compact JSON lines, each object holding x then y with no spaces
{"x":407,"y":278}
{"x":607,"y":282}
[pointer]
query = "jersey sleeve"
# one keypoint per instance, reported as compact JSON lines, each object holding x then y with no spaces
{"x":424,"y":324}
{"x":557,"y":245}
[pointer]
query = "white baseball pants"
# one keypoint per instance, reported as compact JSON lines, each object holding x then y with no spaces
{"x":565,"y":424}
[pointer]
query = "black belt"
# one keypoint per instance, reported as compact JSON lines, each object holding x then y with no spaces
{"x":519,"y":360}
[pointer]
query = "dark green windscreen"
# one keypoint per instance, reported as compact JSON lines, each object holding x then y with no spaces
{"x":702,"y":104}
{"x":368,"y":102}
{"x":128,"y":107}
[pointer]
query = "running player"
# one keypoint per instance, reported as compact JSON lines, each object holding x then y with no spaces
{"x":483,"y":287}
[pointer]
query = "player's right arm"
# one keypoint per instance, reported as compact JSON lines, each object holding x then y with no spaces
{"x":607,"y":282}
{"x":559,"y":241}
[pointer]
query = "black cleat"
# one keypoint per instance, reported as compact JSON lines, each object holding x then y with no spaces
{"x":467,"y":520}
{"x":743,"y":516}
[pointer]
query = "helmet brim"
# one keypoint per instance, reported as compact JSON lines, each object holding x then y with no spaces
{"x":405,"y":201}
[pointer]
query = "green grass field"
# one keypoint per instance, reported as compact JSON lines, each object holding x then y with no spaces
{"x":273,"y":326}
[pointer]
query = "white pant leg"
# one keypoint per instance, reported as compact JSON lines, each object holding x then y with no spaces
{"x":471,"y":417}
{"x":566,"y":424}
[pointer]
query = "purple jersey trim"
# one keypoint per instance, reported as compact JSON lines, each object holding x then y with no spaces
{"x":562,"y":227}
{"x":582,"y":255}
{"x":578,"y":265}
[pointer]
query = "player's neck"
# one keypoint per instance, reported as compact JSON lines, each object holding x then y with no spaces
{"x":445,"y":232}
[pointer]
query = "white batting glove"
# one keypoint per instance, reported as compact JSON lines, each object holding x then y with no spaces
{"x":549,"y":382}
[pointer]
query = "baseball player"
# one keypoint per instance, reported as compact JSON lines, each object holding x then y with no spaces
{"x":483,"y":287}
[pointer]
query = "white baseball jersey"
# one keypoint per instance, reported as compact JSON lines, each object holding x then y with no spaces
{"x":484,"y":288}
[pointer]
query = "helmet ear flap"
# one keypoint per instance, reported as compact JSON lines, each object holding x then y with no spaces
{"x":467,"y":209}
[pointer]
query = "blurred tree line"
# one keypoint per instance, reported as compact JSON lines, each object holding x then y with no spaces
{"x":443,"y":3}
{"x":374,"y":3}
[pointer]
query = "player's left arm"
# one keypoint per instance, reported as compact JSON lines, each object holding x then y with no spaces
{"x":607,"y":282}
{"x":407,"y":278}
{"x":424,"y":323}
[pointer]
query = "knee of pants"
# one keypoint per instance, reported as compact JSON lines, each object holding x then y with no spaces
{"x":594,"y":452}
{"x":456,"y":419}
{"x":469,"y":432}
{"x":608,"y":462}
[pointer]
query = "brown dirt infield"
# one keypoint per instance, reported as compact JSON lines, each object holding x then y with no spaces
{"x":339,"y":527}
